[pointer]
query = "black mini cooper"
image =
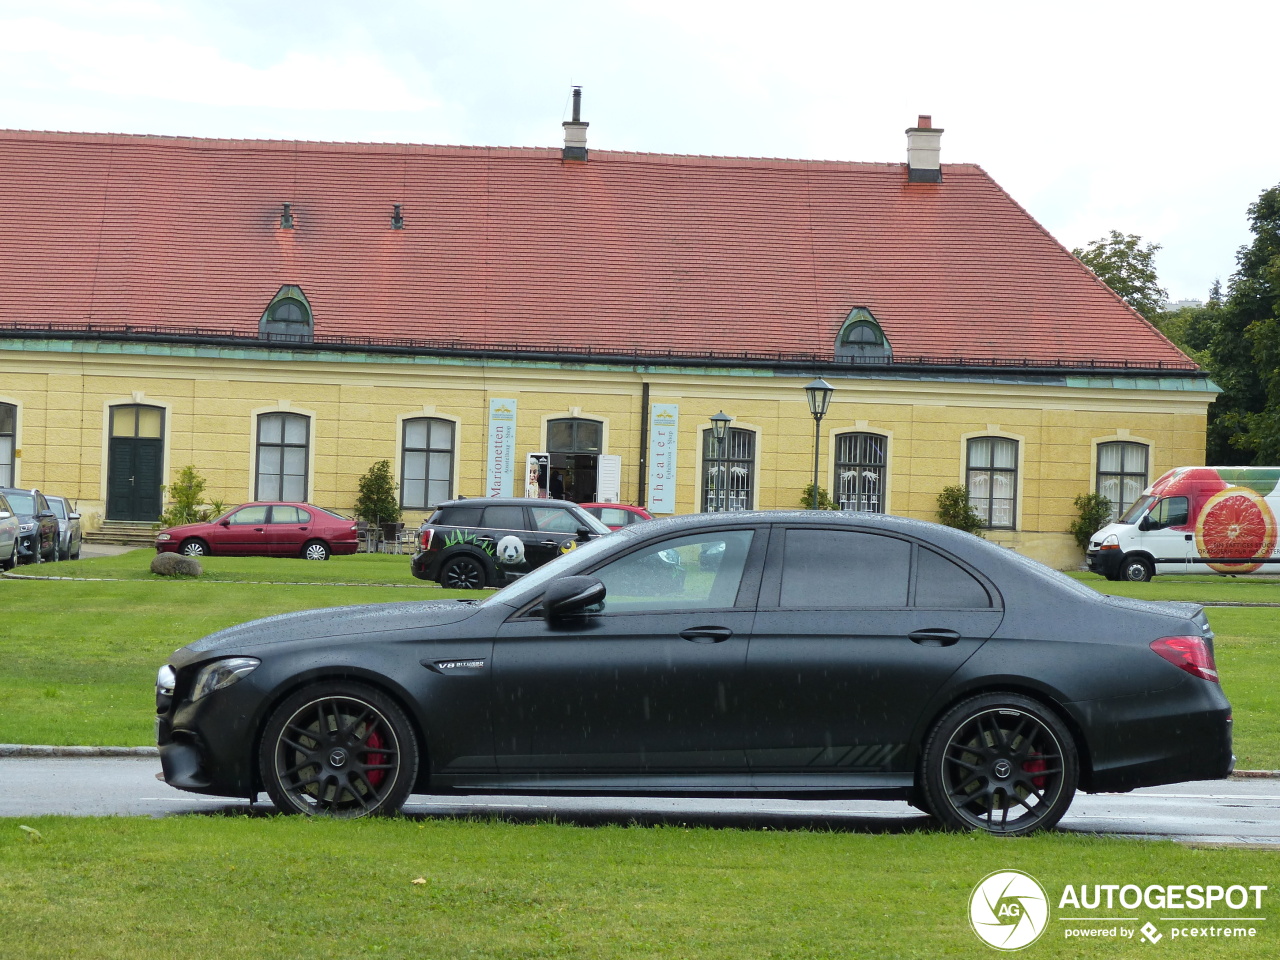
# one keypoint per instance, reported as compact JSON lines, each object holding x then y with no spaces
{"x":469,"y":544}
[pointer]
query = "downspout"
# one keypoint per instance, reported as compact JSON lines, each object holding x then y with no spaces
{"x":643,"y":476}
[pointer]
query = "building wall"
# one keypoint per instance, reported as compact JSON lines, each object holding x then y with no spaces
{"x":212,"y":395}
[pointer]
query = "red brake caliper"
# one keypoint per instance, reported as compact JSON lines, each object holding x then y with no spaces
{"x":376,"y":776}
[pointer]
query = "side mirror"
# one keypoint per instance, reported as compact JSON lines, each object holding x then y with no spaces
{"x":73,"y":516}
{"x":5,"y":514}
{"x":584,"y":534}
{"x":1144,"y":523}
{"x":570,"y":595}
{"x":224,"y":523}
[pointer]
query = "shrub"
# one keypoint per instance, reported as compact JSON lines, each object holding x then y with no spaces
{"x":955,"y":510}
{"x":378,"y":502}
{"x":1094,"y":511}
{"x":824,"y":499}
{"x":186,"y":500}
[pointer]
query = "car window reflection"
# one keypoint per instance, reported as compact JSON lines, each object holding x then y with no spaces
{"x":694,"y":572}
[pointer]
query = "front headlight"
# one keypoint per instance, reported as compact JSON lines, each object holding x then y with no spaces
{"x":1110,"y":542}
{"x":26,"y":527}
{"x":221,"y":673}
{"x":165,"y":680}
{"x":162,"y":536}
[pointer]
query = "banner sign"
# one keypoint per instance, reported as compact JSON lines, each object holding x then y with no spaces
{"x":664,"y":423}
{"x":501,"y":449}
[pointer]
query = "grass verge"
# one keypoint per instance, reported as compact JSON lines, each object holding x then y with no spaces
{"x":258,"y":888}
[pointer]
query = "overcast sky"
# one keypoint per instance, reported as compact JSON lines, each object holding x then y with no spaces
{"x":1144,"y":117}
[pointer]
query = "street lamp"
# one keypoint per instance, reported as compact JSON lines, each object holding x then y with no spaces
{"x":719,"y":430}
{"x":819,"y":393}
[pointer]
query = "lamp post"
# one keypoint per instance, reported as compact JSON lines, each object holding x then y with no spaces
{"x":819,"y":394}
{"x":719,"y":430}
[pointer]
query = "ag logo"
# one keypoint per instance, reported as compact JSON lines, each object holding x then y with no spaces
{"x":1008,"y":910}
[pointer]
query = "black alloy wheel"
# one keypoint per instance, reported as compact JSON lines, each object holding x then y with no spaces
{"x":315,"y":550}
{"x":462,"y":573}
{"x":1002,"y":763}
{"x":338,"y":749}
{"x":1135,"y":570}
{"x":193,"y":548}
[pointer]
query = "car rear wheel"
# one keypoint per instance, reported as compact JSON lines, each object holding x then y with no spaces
{"x":1001,"y":763}
{"x":340,"y":750}
{"x":1136,"y":569}
{"x":193,"y":548}
{"x":315,"y":550}
{"x":13,"y":558}
{"x":462,"y":573}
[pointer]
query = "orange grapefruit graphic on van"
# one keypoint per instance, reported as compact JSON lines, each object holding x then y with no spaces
{"x":1236,"y":524}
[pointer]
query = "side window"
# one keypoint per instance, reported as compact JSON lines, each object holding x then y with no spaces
{"x":703,"y":571}
{"x":458,"y":517}
{"x":249,"y":516}
{"x":289,"y":515}
{"x":553,"y":520}
{"x":1169,"y":512}
{"x":503,"y":518}
{"x":615,"y":517}
{"x":942,"y":584}
{"x":844,"y":568}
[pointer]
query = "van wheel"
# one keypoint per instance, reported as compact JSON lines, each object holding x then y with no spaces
{"x":1136,"y":569}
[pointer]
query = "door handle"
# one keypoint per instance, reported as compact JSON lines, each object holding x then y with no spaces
{"x":707,"y":634}
{"x":934,"y":637}
{"x":1188,"y":537}
{"x":551,"y":543}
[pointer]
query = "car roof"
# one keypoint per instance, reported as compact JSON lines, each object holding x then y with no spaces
{"x":505,"y":502}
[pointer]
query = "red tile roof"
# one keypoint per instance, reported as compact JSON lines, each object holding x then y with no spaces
{"x":514,"y":245}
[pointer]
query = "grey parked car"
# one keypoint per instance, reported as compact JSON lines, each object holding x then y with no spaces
{"x":69,"y":535}
{"x":9,"y":525}
{"x":38,"y":531}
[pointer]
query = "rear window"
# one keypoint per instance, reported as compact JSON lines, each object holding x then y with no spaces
{"x":844,"y":568}
{"x":944,"y":585}
{"x":503,"y":518}
{"x":289,"y":515}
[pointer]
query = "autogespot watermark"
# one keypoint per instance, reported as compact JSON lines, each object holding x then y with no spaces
{"x":1010,"y":910}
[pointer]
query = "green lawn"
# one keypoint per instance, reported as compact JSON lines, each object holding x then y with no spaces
{"x":275,"y":887}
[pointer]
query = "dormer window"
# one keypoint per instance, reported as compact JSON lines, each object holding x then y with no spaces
{"x":861,"y":336}
{"x":287,"y":317}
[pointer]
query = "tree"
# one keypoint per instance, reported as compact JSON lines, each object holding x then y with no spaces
{"x":1127,"y":267}
{"x":1093,"y":511}
{"x":378,"y":503}
{"x":186,"y":500}
{"x":955,"y":510}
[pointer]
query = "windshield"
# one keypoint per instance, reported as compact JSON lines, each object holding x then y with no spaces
{"x":1135,"y":512}
{"x":591,"y":523}
{"x":528,"y":586}
{"x":225,"y":515}
{"x":23,"y":503}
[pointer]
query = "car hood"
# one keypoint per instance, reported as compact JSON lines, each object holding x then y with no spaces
{"x":346,"y":623}
{"x":186,"y":528}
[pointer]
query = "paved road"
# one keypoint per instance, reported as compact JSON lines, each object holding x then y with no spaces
{"x":1223,"y":811}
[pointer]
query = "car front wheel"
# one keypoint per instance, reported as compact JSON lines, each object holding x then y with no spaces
{"x":462,"y":573}
{"x":339,"y":749}
{"x":1135,"y":570}
{"x":1001,"y":763}
{"x":315,"y":550}
{"x":193,"y":548}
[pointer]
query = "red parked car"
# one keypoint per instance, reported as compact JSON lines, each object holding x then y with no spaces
{"x":264,"y":530}
{"x":616,"y":515}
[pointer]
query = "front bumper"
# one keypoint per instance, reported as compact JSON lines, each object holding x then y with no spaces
{"x":1105,"y":562}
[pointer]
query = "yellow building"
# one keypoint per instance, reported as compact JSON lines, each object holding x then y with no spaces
{"x":283,"y":315}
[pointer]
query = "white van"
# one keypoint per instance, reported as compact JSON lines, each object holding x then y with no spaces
{"x":1194,"y":520}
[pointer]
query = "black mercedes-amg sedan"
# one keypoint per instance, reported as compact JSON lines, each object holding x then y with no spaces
{"x":766,"y":654}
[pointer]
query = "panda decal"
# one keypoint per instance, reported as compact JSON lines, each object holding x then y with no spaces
{"x":510,"y":553}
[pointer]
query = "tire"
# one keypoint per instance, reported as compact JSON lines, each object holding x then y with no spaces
{"x":463,"y":573}
{"x":64,"y":554}
{"x":13,"y":557}
{"x":1136,"y":569}
{"x":339,"y":749}
{"x":193,"y":548}
{"x":315,"y":550}
{"x":995,"y":755}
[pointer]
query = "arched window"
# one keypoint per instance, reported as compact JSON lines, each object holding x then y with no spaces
{"x":860,"y":472}
{"x":8,"y":448}
{"x":992,"y":479}
{"x":1122,"y":473}
{"x":284,"y":440}
{"x":287,"y":317}
{"x":426,"y":463}
{"x":860,"y":337}
{"x":727,"y":470}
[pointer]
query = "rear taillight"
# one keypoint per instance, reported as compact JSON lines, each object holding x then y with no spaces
{"x":1191,"y":654}
{"x":426,"y":539}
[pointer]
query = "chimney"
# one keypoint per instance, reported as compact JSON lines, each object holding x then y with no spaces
{"x":923,"y":147}
{"x":575,"y":131}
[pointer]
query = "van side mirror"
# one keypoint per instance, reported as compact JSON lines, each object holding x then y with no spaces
{"x":569,"y":596}
{"x":1144,"y":523}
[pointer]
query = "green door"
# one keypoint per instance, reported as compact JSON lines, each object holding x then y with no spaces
{"x":135,"y":462}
